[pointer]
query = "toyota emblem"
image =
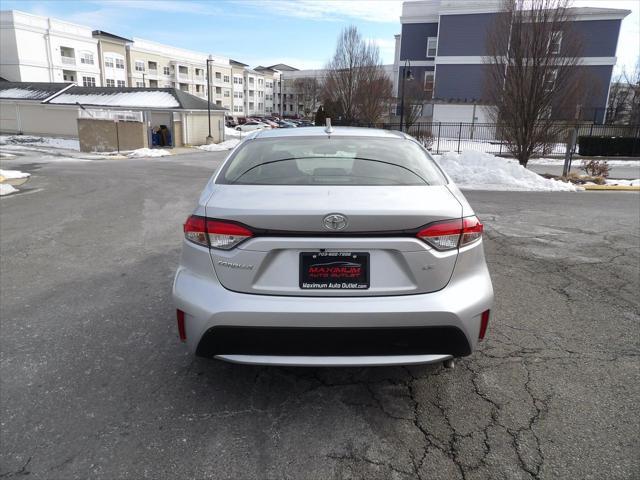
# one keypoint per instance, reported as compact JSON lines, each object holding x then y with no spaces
{"x":335,"y":222}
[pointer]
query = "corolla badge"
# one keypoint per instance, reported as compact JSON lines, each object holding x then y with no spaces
{"x":335,"y":222}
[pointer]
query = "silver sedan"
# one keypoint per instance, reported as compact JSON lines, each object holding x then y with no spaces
{"x":336,"y":247}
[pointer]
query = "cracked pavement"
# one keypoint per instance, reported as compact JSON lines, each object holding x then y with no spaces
{"x":94,"y":383}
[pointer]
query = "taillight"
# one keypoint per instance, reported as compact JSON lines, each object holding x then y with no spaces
{"x":214,"y":233}
{"x":484,"y":323}
{"x":450,"y":234}
{"x":226,"y":235}
{"x":195,"y":230}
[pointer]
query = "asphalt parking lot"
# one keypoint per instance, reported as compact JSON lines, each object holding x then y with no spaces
{"x":95,"y":384}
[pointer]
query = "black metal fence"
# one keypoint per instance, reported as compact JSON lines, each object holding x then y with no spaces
{"x":442,"y":137}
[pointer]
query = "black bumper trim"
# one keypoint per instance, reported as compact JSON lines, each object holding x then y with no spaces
{"x":338,"y":341}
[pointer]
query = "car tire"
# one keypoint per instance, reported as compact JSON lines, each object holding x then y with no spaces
{"x":238,"y":129}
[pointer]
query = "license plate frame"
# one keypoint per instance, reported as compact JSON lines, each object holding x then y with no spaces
{"x":334,"y":270}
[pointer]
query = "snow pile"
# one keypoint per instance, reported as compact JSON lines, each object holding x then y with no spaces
{"x":6,"y":189}
{"x":481,"y":171}
{"x":7,"y":174}
{"x":68,"y":143}
{"x":148,"y":152}
{"x":231,"y":132}
{"x":626,"y":183}
{"x":219,"y":147}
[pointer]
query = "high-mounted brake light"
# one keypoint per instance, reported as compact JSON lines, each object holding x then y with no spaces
{"x":214,"y":233}
{"x":450,"y":234}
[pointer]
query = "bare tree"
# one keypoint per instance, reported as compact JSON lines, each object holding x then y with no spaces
{"x":308,"y":89}
{"x":620,"y":99}
{"x":634,"y":115}
{"x":374,"y":95}
{"x":533,"y":76}
{"x":355,"y":64}
{"x":415,"y":97}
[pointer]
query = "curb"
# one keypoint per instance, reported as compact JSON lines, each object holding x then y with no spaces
{"x":624,"y":188}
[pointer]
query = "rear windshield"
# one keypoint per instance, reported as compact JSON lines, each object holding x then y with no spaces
{"x":331,"y":161}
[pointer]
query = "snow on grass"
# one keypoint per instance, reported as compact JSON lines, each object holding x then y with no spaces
{"x":6,"y":189}
{"x":219,"y":147}
{"x":481,"y":171}
{"x":148,"y":152}
{"x":577,"y":162}
{"x":626,"y":183}
{"x":67,"y":143}
{"x":13,"y":174}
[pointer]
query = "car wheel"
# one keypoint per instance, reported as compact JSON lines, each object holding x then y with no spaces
{"x":238,"y":128}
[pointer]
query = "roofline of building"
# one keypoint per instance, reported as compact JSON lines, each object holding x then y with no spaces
{"x":102,"y":33}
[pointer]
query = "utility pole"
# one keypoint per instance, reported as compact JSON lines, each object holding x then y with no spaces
{"x":209,"y":137}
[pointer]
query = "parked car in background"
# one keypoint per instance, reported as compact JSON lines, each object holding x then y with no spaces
{"x":269,"y":122}
{"x":252,"y":125}
{"x":286,"y":124}
{"x":335,"y":247}
{"x":230,"y":122}
{"x":305,"y":123}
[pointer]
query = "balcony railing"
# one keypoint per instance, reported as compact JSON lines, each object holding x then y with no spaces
{"x":183,"y":76}
{"x":68,"y":60}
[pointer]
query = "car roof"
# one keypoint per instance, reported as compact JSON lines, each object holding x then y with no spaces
{"x":336,"y":132}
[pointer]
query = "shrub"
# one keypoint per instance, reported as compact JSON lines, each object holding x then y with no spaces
{"x":596,"y":168}
{"x":608,"y":146}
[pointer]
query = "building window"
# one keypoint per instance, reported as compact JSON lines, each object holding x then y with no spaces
{"x":428,"y":85}
{"x":140,"y":84}
{"x":432,"y":46}
{"x":218,"y":75}
{"x":250,"y":80}
{"x":86,"y":58}
{"x":226,"y":93}
{"x":226,"y":79}
{"x":139,"y":66}
{"x":555,"y":42}
{"x":166,"y":71}
{"x":110,"y":82}
{"x":108,"y":62}
{"x":88,"y":81}
{"x":550,"y":80}
{"x":121,"y":83}
{"x":153,"y":66}
{"x":120,"y":63}
{"x":219,"y":102}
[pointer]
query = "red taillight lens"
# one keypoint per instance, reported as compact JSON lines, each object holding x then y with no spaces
{"x":226,"y":235}
{"x":471,"y":230}
{"x":181,"y":329}
{"x":484,"y":323}
{"x":451,"y":234}
{"x":195,"y":230}
{"x":214,"y":233}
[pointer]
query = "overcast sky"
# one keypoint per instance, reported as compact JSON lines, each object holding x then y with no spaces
{"x":301,"y":33}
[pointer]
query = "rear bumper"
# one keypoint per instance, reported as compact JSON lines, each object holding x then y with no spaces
{"x":457,"y":308}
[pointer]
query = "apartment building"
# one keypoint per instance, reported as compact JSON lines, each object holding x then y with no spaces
{"x":153,"y":64}
{"x":112,"y":58}
{"x":444,"y":41}
{"x":221,"y":84}
{"x":42,"y":49}
{"x":271,"y":86}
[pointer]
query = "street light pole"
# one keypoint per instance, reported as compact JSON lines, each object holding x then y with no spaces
{"x":406,"y":75}
{"x":209,"y":137}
